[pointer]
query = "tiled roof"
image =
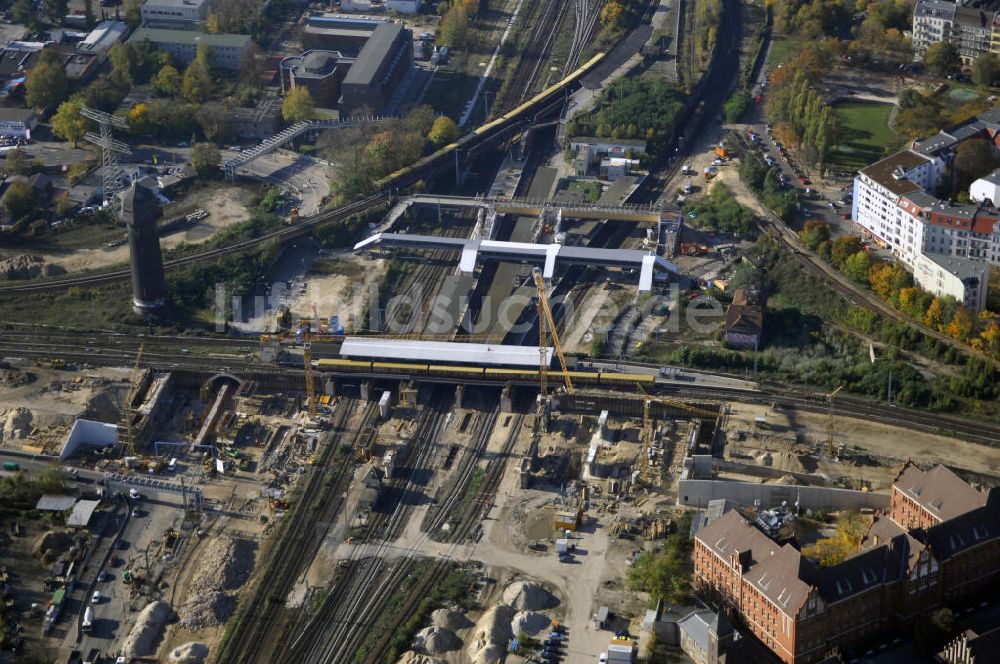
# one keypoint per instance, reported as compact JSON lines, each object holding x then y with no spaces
{"x":938,"y":490}
{"x":967,"y":530}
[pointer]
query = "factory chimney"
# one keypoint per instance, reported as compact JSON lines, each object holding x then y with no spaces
{"x":140,"y":210}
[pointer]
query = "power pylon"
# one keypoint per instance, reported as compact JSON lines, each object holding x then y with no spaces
{"x":114,"y":178}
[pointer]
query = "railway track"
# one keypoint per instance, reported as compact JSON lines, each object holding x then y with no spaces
{"x":332,"y":635}
{"x":259,"y":632}
{"x":467,"y":528}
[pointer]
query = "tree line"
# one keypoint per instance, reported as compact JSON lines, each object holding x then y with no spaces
{"x":894,"y":284}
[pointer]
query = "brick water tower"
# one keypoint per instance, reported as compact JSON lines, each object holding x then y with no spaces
{"x":140,"y":210}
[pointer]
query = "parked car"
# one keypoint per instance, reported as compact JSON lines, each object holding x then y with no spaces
{"x":96,"y":597}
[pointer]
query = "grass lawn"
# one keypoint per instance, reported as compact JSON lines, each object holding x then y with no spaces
{"x":866,"y":134}
{"x":589,"y":189}
{"x":783,"y":48}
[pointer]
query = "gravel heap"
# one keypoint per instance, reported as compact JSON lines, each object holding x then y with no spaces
{"x":492,"y":635}
{"x":436,"y":640}
{"x":225,"y":565}
{"x":529,"y":596}
{"x":27,"y":266}
{"x":141,"y":641}
{"x":189,"y":653}
{"x":410,"y":657}
{"x":452,"y":620}
{"x":530,"y":622}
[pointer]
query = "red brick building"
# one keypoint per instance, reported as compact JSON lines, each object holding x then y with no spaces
{"x":801,"y":612}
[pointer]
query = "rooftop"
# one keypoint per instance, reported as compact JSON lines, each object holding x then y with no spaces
{"x":82,"y":512}
{"x":961,"y":267}
{"x":54,"y":503}
{"x":938,"y":490}
{"x":165,"y":36}
{"x":373,"y":54}
{"x":886,"y":171}
{"x":939,"y":8}
{"x":168,"y":4}
{"x":11,"y":114}
{"x":442,"y":351}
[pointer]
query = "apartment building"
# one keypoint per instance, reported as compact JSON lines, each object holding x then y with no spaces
{"x":971,"y":32}
{"x":932,"y":21}
{"x":802,"y":612}
{"x":894,"y":207}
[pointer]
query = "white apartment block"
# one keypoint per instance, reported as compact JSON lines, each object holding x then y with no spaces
{"x":963,"y":278}
{"x":932,"y":20}
{"x":893,"y":206}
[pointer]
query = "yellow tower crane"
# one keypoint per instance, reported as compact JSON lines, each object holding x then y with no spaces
{"x":829,"y":424}
{"x":126,"y":433}
{"x":545,"y":319}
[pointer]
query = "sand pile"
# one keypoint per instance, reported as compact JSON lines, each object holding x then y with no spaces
{"x":529,"y":622}
{"x":141,"y":641}
{"x":225,"y":565}
{"x":436,"y":640}
{"x":18,"y":424}
{"x":410,"y":657}
{"x":529,"y":596}
{"x":189,"y":653}
{"x":492,"y":635}
{"x":452,"y":620}
{"x":52,"y":544}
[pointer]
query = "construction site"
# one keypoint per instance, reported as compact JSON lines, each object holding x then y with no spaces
{"x":377,"y":503}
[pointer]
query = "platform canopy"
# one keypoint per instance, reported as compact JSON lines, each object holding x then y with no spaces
{"x":450,"y":352}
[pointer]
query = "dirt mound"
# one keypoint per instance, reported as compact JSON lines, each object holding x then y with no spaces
{"x":410,"y":657}
{"x":18,"y":423}
{"x":26,"y":266}
{"x":529,"y":596}
{"x":225,"y":565}
{"x":436,"y":640}
{"x":529,"y":622}
{"x":51,"y":544}
{"x":491,"y":635}
{"x":786,"y":479}
{"x":141,"y":641}
{"x":452,"y":620}
{"x":104,"y":406}
{"x":189,"y":653}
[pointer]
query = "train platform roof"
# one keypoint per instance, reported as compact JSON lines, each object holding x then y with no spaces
{"x":546,"y":254}
{"x":450,"y":352}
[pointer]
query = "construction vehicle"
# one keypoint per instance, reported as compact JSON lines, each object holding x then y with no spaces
{"x":693,"y":249}
{"x":721,"y":152}
{"x":545,"y":320}
{"x":278,"y":504}
{"x":170,"y":538}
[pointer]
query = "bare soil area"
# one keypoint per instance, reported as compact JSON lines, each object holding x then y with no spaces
{"x":226,"y":205}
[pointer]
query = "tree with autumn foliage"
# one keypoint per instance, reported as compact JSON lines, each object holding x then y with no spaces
{"x":887,"y":280}
{"x":843,"y":544}
{"x":961,"y":325}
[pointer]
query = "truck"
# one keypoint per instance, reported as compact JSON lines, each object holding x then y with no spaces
{"x":88,"y":620}
{"x":93,"y":657}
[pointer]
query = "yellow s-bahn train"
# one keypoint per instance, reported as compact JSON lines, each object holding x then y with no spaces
{"x":498,"y":374}
{"x":400,"y":178}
